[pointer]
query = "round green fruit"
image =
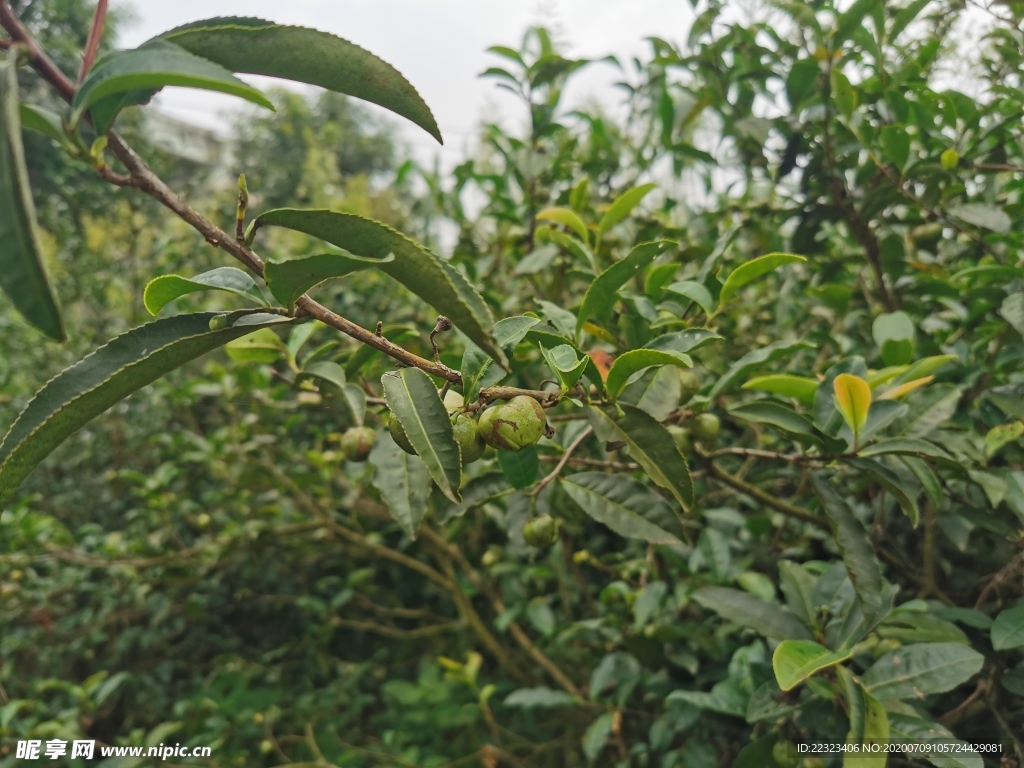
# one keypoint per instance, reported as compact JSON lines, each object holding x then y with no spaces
{"x":682,"y":438}
{"x":398,"y":433}
{"x":541,"y":532}
{"x":690,"y":386}
{"x":784,"y":754}
{"x":949,"y":159}
{"x":706,"y":426}
{"x":513,"y":425}
{"x":357,"y":442}
{"x":467,"y":435}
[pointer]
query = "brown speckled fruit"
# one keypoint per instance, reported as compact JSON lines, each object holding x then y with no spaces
{"x":513,"y":425}
{"x":357,"y":442}
{"x":398,"y":433}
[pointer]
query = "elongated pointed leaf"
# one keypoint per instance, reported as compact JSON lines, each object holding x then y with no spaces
{"x":915,"y":671}
{"x":413,"y":398}
{"x":695,"y":292}
{"x":622,"y":207}
{"x":779,"y":416}
{"x":108,"y":375}
{"x":650,"y":445}
{"x":1008,"y":629}
{"x":636,"y":360}
{"x":403,"y":482}
{"x":478,"y":369}
{"x":753,"y":360}
{"x":753,"y":269}
{"x":258,"y":47}
{"x":154,"y":65}
{"x":433,"y":280}
{"x":569,"y":218}
{"x":622,"y":504}
{"x":770,"y":620}
{"x":853,"y":398}
{"x":798,"y":387}
{"x":796,"y":660}
{"x":869,"y":724}
{"x":288,"y":280}
{"x":163,"y":290}
{"x":906,"y":446}
{"x":656,"y":392}
{"x":907,"y":497}
{"x":46,"y":122}
{"x":22,"y":274}
{"x":520,"y":468}
{"x":603,"y":292}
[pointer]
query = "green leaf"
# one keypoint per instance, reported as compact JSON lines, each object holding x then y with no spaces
{"x":753,"y":269}
{"x":541,"y":616}
{"x":801,"y":81}
{"x":433,"y":280}
{"x":896,"y":144}
{"x":163,"y":290}
{"x":853,"y":399}
{"x":108,"y":375}
{"x":984,"y":216}
{"x":650,"y":445}
{"x":326,"y":372}
{"x":258,"y":47}
{"x":636,"y":360}
{"x":154,"y":65}
{"x":291,"y":278}
{"x":796,"y":660}
{"x":916,"y":731}
{"x":569,"y":218}
{"x":596,"y":736}
{"x":603,"y":292}
{"x":48,"y":123}
{"x":798,"y":387}
{"x":539,"y":698}
{"x":621,"y":503}
{"x":520,"y":467}
{"x":621,"y":207}
{"x":777,"y":415}
{"x":22,"y":274}
{"x":403,"y":482}
{"x":685,"y":341}
{"x":1012,"y":311}
{"x":571,"y":244}
{"x":797,"y":585}
{"x":889,"y":480}
{"x":893,"y":332}
{"x":565,"y":364}
{"x":854,"y":543}
{"x":905,"y":16}
{"x":753,"y":360}
{"x":478,"y":371}
{"x":695,"y":292}
{"x":413,"y":398}
{"x":850,"y":20}
{"x":656,"y":392}
{"x":869,"y":723}
{"x":477,"y":491}
{"x":904,"y":446}
{"x":915,"y":671}
{"x":1008,"y":629}
{"x":263,"y":347}
{"x":768,"y":619}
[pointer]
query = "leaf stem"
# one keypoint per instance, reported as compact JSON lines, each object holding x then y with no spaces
{"x":99,"y":20}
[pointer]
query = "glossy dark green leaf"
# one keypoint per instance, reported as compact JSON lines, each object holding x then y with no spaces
{"x":22,"y":274}
{"x":162,"y":290}
{"x":108,"y":375}
{"x":291,"y":278}
{"x":904,"y":446}
{"x":777,"y":415}
{"x":916,"y":671}
{"x":694,"y":291}
{"x":156,"y":64}
{"x":603,"y":292}
{"x":413,"y":398}
{"x":768,"y":619}
{"x":630,"y":363}
{"x":258,"y":47}
{"x":46,"y":122}
{"x":1008,"y":629}
{"x":403,"y":482}
{"x":657,"y":392}
{"x":624,"y":505}
{"x":430,"y":278}
{"x":649,"y":444}
{"x":520,"y":467}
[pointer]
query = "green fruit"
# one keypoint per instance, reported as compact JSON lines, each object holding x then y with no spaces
{"x":784,"y":754}
{"x":219,"y":322}
{"x":398,"y":433}
{"x":471,"y":445}
{"x":706,"y":426}
{"x":927,"y":235}
{"x":357,"y":442}
{"x":491,"y":557}
{"x":541,"y":532}
{"x":513,"y":425}
{"x":949,"y":159}
{"x":682,"y":438}
{"x":690,"y":386}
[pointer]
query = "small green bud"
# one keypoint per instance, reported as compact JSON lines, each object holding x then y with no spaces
{"x":357,"y":442}
{"x":398,"y":433}
{"x":541,"y":532}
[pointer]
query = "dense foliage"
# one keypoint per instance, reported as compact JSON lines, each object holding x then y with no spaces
{"x":715,"y":448}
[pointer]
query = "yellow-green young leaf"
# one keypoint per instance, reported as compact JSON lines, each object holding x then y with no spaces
{"x":259,"y":47}
{"x":796,"y":660}
{"x":869,"y":723}
{"x":263,"y":347}
{"x":124,"y":74}
{"x":798,"y":387}
{"x":569,"y":218}
{"x":22,"y":274}
{"x":428,"y":277}
{"x":622,"y":207}
{"x":162,"y":290}
{"x":753,"y":269}
{"x":853,"y":398}
{"x":637,"y":360}
{"x":403,"y":482}
{"x":902,"y":390}
{"x":413,"y":398}
{"x":108,"y":375}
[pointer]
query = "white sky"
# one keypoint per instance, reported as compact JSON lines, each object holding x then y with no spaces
{"x":439,"y":45}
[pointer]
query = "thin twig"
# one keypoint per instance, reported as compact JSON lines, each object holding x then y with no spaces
{"x":562,"y":462}
{"x":92,"y":46}
{"x":767,"y":499}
